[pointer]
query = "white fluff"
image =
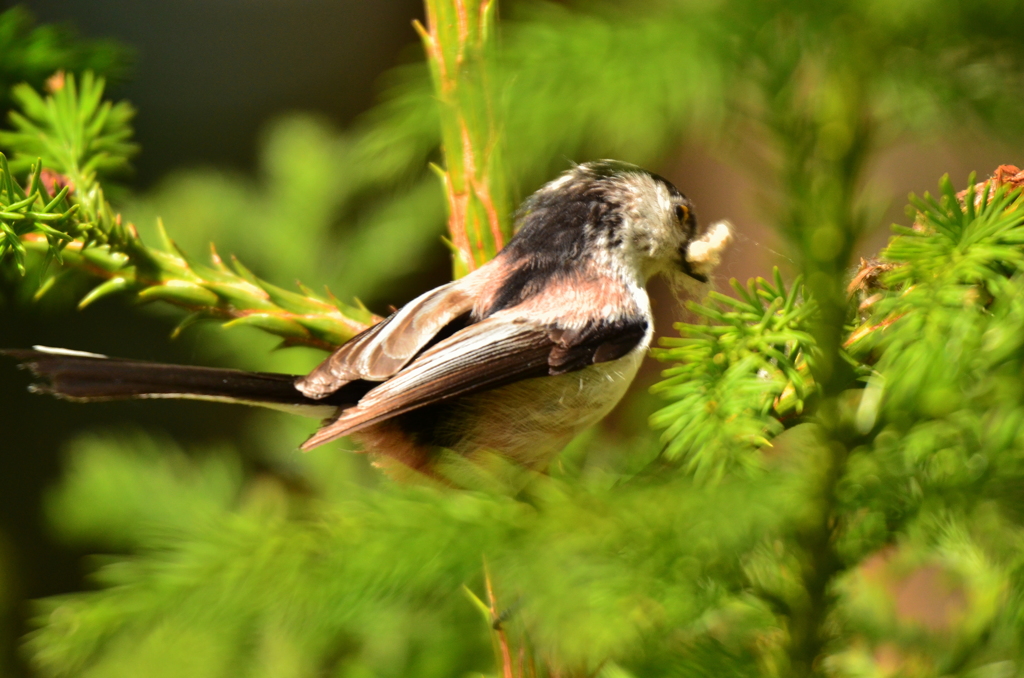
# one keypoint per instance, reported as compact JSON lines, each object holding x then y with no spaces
{"x":705,"y":253}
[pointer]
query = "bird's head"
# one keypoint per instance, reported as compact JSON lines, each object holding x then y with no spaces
{"x":610,"y":213}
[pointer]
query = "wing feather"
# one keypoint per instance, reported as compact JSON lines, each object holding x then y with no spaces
{"x":381,"y":351}
{"x":494,"y":352}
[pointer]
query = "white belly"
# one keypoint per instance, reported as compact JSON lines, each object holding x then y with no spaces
{"x":530,"y":421}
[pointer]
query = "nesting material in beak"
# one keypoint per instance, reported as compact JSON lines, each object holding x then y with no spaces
{"x":705,"y":253}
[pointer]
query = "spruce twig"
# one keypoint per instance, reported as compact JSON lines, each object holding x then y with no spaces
{"x":739,"y":375}
{"x":231,"y":294}
{"x":458,"y":39}
{"x":64,"y":214}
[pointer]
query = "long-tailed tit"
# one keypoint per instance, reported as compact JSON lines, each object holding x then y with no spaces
{"x":516,"y":357}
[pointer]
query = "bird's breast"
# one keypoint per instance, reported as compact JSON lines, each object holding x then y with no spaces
{"x":531,"y":420}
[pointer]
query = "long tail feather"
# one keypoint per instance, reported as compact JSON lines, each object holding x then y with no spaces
{"x":78,"y":376}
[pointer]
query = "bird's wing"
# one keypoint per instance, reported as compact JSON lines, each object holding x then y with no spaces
{"x":381,"y":351}
{"x":492,"y":353}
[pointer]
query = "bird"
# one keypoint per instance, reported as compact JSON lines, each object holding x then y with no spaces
{"x":515,"y":358}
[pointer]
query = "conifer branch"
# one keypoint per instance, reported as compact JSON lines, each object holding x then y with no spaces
{"x":83,"y":139}
{"x":740,"y":375}
{"x":458,"y":39}
{"x":957,"y":270}
{"x":216,"y":291}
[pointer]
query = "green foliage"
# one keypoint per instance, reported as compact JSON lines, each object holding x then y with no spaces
{"x":122,"y":488}
{"x":322,"y":579}
{"x":974,"y":241}
{"x":838,"y":491}
{"x":307,"y":215}
{"x":738,"y":375}
{"x":73,"y":130}
{"x":32,"y":212}
{"x":941,"y":421}
{"x":84,"y":139}
{"x":80,"y":137}
{"x":32,"y":54}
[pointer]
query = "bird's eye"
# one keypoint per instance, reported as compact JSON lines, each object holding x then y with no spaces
{"x":682,"y":213}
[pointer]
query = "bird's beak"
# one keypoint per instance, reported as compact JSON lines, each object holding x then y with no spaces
{"x":687,"y":268}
